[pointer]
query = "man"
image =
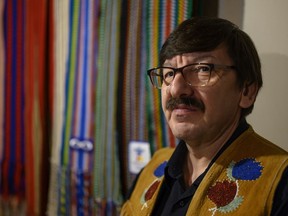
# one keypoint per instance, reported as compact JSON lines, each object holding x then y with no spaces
{"x":209,"y":77}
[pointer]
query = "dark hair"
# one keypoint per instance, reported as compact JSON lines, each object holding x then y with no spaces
{"x":206,"y":34}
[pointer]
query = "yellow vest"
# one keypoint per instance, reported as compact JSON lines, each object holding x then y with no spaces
{"x":242,"y":181}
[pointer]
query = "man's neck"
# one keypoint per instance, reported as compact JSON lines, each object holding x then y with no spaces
{"x":199,"y":156}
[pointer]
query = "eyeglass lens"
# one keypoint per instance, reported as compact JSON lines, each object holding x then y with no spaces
{"x":195,"y":75}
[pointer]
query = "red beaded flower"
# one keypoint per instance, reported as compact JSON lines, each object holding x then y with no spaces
{"x":151,"y":190}
{"x":222,"y":193}
{"x":225,"y":193}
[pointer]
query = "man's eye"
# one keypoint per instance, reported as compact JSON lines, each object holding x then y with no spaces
{"x":203,"y":69}
{"x":168,"y":74}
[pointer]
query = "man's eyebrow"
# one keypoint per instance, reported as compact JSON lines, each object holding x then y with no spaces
{"x":197,"y":59}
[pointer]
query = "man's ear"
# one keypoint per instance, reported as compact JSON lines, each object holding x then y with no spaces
{"x":248,"y":97}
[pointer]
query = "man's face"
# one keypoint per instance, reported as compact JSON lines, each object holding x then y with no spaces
{"x":218,"y":105}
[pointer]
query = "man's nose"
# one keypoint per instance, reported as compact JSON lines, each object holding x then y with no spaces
{"x":179,"y":87}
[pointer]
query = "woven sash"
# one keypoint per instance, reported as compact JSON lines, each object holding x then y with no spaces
{"x":2,"y":67}
{"x":77,"y":139}
{"x":12,"y":169}
{"x":60,"y":22}
{"x":106,"y":164}
{"x":35,"y":104}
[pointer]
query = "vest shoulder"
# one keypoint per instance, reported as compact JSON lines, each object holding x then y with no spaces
{"x":251,"y":139}
{"x":164,"y":152}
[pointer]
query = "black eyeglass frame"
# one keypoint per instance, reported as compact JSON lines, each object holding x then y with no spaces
{"x":175,"y":70}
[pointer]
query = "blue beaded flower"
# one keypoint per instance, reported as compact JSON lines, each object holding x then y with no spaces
{"x":247,"y":169}
{"x":159,"y":171}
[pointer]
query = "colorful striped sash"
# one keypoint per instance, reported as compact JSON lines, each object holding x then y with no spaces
{"x":37,"y":113}
{"x":60,"y":21}
{"x":77,"y":150}
{"x":12,"y":176}
{"x":2,"y":77}
{"x":107,"y":193}
{"x":95,"y":54}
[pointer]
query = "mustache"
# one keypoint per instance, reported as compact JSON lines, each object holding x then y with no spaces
{"x":172,"y":103}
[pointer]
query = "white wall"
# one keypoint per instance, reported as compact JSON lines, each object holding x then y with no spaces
{"x":232,"y":10}
{"x":266,"y":22}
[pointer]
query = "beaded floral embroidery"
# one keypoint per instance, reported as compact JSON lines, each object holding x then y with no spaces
{"x":224,"y":194}
{"x":150,"y":191}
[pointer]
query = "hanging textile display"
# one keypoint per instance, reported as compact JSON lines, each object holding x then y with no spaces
{"x":24,"y":155}
{"x":125,"y":43}
{"x":73,"y":78}
{"x":127,"y":38}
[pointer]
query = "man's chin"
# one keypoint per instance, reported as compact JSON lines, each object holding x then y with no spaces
{"x":181,"y":130}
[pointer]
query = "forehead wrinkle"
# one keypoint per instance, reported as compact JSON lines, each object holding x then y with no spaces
{"x":199,"y":57}
{"x":176,"y":61}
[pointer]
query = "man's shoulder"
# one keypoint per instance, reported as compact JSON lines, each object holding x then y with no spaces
{"x":261,"y":144}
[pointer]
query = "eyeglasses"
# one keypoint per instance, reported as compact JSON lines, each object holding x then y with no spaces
{"x":196,"y":74}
